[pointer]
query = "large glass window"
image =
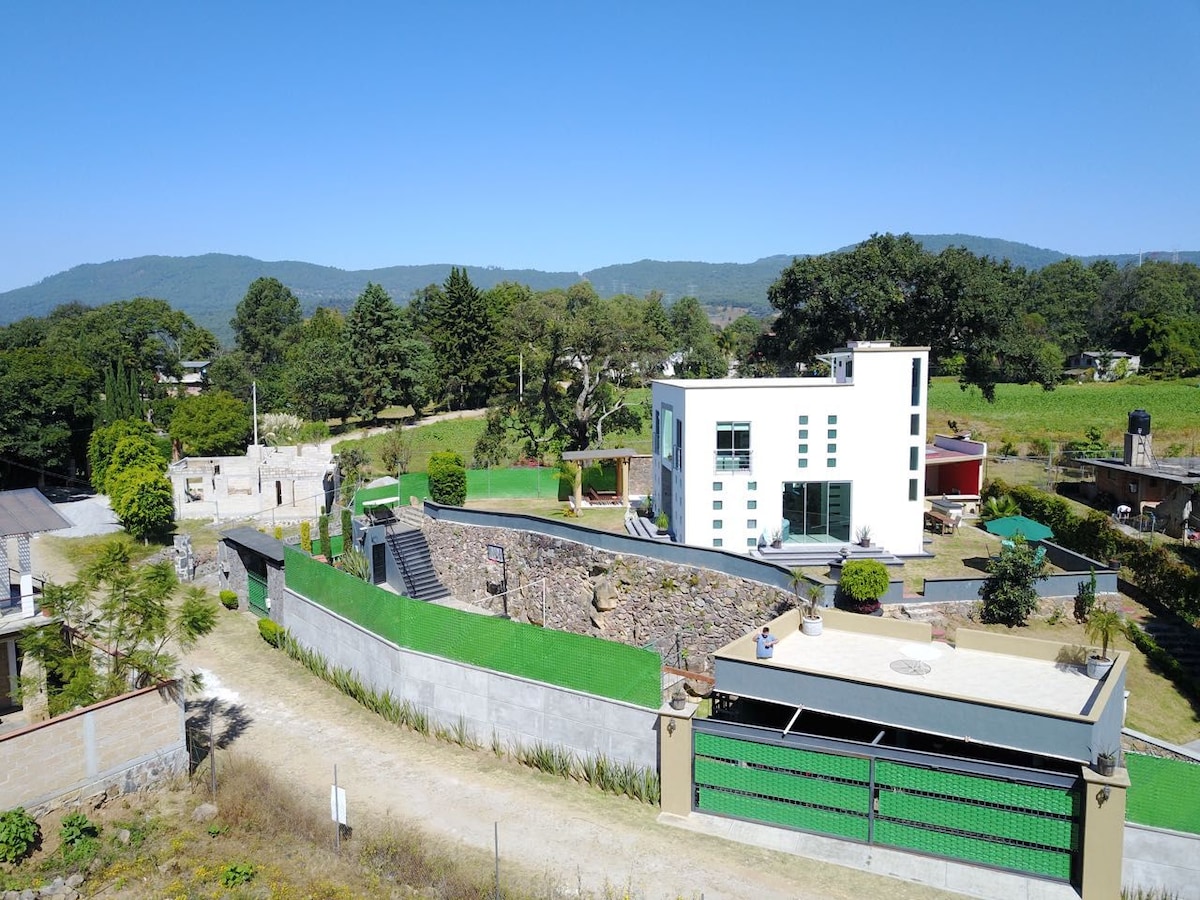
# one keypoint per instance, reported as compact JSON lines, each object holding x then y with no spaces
{"x":665,"y":433}
{"x":817,"y":511}
{"x":916,"y":381}
{"x":733,"y":446}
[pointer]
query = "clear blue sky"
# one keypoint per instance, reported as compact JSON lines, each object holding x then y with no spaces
{"x":567,"y":136}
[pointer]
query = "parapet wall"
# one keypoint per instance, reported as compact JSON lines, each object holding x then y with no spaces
{"x":114,"y":747}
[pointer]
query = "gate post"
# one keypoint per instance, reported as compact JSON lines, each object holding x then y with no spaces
{"x":1103,"y":833}
{"x":675,"y":759}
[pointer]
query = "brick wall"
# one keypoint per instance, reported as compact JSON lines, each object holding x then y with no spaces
{"x":114,"y":747}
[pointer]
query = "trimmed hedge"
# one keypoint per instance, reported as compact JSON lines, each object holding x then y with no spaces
{"x":447,"y":478}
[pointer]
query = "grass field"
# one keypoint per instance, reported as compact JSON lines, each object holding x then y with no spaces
{"x":1022,"y":413}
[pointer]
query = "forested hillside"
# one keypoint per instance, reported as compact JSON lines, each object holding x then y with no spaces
{"x":208,"y":287}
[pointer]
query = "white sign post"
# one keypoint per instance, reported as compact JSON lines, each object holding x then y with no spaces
{"x":337,"y":810}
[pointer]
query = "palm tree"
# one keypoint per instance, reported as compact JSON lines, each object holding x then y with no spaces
{"x":1103,"y":626}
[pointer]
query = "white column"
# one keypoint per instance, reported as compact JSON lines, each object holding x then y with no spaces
{"x":27,"y":607}
{"x":4,"y":567}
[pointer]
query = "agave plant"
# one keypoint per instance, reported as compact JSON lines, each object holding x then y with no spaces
{"x":1000,"y":507}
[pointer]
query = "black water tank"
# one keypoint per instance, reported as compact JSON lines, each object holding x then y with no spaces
{"x":1139,"y":422}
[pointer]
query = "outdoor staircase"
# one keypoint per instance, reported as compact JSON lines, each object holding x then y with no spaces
{"x":794,"y":554}
{"x":411,"y":553}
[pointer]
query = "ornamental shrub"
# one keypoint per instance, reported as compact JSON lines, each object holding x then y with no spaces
{"x":323,"y":548}
{"x":306,"y":536}
{"x":447,"y":478}
{"x":229,"y":599}
{"x":862,"y":583}
{"x":271,"y":631}
{"x":77,"y":828}
{"x":1009,"y":595}
{"x":19,"y":833}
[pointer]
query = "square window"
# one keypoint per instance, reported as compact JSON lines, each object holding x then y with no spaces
{"x":752,"y":523}
{"x":717,"y":485}
{"x":832,"y":433}
{"x":914,"y":423}
{"x":751,"y":542}
{"x":718,"y":542}
{"x":717,"y":523}
{"x":803,"y":434}
{"x":751,"y":486}
{"x":718,"y":504}
{"x":802,"y":448}
{"x":912,"y":489}
{"x":831,"y":463}
{"x":833,"y":420}
{"x":914,"y":458}
{"x":803,"y":463}
{"x":804,"y":420}
{"x":751,"y":504}
{"x":831,"y":448}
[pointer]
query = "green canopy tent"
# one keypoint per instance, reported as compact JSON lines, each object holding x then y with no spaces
{"x":1027,"y":528}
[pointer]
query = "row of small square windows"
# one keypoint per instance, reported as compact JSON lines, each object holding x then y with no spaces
{"x":832,"y":420}
{"x":720,"y":523}
{"x":720,"y":504}
{"x":750,"y":542}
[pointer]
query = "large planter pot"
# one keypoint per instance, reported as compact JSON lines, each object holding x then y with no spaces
{"x":1106,"y":764}
{"x":813,"y":626}
{"x":1098,"y":666}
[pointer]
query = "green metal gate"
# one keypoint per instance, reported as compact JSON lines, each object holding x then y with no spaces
{"x":256,"y":593}
{"x":975,"y":818}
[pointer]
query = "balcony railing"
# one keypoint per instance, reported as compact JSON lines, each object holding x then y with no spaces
{"x":731,"y":461}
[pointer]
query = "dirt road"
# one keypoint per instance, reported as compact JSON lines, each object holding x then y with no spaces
{"x":566,"y":833}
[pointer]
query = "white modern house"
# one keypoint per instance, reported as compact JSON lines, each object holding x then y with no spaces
{"x":816,"y":459}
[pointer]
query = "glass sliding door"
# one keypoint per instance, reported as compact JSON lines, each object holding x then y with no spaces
{"x":817,"y":511}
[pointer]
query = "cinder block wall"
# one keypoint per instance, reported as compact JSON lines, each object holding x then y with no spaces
{"x":121,"y":745}
{"x":517,"y":710}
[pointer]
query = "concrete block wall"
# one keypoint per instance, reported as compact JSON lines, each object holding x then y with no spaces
{"x":517,"y":710}
{"x":1157,"y":859}
{"x":114,"y":747}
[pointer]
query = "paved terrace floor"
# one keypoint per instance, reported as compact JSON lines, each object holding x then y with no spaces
{"x":939,"y":668}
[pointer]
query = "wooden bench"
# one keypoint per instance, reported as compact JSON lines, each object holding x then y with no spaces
{"x":940,"y":522}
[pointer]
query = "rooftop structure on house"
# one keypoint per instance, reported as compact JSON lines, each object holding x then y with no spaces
{"x":278,"y":483}
{"x":988,"y":752}
{"x":191,"y":382}
{"x":1146,"y":484}
{"x":818,"y":460}
{"x":1105,"y":365}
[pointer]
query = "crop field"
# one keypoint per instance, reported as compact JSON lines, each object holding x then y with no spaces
{"x":1022,"y":413}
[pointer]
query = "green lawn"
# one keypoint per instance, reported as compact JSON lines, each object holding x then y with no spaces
{"x":1022,"y":413}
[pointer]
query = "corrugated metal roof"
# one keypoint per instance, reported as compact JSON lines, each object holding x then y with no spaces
{"x":28,"y":511}
{"x":252,"y":539}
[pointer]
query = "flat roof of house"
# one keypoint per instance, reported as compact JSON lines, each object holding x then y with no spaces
{"x":933,"y":667}
{"x":253,"y":539}
{"x":935,"y":456}
{"x":1189,"y":474}
{"x":27,"y":511}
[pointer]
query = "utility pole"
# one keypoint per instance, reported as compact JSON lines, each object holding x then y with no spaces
{"x":254,"y":401}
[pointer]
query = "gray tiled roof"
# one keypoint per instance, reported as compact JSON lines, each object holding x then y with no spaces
{"x":28,"y":511}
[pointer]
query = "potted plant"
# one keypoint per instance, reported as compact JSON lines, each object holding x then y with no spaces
{"x":1103,"y":626}
{"x":862,"y":583}
{"x":678,"y":698}
{"x":811,"y":622}
{"x":1106,"y":762}
{"x":777,"y":538}
{"x":662,"y":522}
{"x":863,"y":536}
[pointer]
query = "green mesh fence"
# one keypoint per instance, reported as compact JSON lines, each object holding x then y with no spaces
{"x":816,"y":791}
{"x":790,"y":815}
{"x":850,"y":768}
{"x":482,"y":484}
{"x":1163,"y":793}
{"x":576,"y":661}
{"x":984,"y":820}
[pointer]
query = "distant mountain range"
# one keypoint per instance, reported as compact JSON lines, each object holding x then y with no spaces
{"x":209,"y":287}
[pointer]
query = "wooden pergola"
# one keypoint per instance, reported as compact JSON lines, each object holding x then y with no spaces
{"x":583,"y":457}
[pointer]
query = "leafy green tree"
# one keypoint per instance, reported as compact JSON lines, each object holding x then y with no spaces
{"x":392,"y":367}
{"x":862,"y":583}
{"x":395,"y":450}
{"x":211,"y":424}
{"x":1063,"y":293}
{"x":320,"y":379}
{"x":459,"y":322}
{"x":142,"y":499}
{"x":447,"y":478}
{"x":695,"y":340}
{"x":1009,"y":595}
{"x":122,"y":396}
{"x":263,"y":321}
{"x":139,"y":617}
{"x":103,"y":443}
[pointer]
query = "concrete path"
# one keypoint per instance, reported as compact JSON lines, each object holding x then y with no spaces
{"x":561,"y":833}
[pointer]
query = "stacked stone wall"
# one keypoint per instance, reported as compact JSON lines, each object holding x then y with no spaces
{"x":633,"y":599}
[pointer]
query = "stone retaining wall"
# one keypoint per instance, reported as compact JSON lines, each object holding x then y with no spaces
{"x":633,"y":599}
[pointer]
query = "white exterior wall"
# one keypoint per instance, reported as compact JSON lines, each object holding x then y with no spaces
{"x":873,"y":444}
